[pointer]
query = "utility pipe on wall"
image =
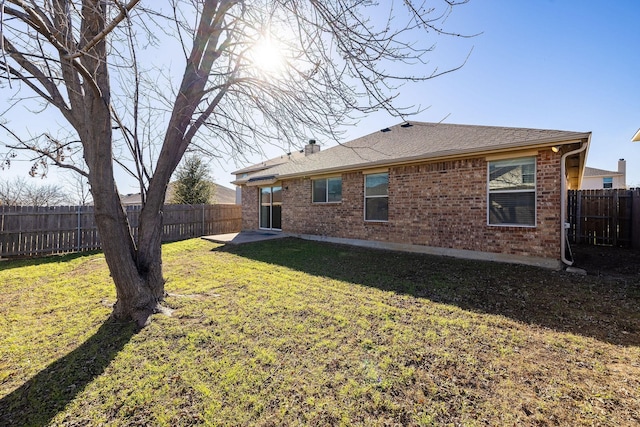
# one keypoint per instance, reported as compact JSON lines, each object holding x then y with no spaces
{"x":563,"y":200}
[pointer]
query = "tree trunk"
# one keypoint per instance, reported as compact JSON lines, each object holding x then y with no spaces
{"x":136,"y":270}
{"x":139,"y":282}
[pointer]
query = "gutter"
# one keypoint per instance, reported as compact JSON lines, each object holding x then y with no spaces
{"x":563,"y":199}
{"x":262,"y":180}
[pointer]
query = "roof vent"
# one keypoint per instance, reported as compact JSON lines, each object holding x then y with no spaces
{"x":406,"y":125}
{"x":385,"y":130}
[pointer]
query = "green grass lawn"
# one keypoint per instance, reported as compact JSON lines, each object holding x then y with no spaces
{"x":290,"y":332}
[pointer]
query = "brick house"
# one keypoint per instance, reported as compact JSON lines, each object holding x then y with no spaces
{"x":479,"y":192}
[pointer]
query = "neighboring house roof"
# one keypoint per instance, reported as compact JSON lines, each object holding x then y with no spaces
{"x":407,"y":143}
{"x":130,"y":199}
{"x":222,"y":195}
{"x":594,"y":172}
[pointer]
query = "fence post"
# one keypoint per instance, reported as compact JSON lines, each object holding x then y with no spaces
{"x":635,"y":218}
{"x":578,"y":216}
{"x":78,"y":239}
{"x":615,"y":215}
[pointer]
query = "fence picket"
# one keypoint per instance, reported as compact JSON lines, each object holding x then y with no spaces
{"x":605,"y":217}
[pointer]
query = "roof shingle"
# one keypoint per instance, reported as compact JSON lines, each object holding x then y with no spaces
{"x":418,"y":141}
{"x":588,"y":171}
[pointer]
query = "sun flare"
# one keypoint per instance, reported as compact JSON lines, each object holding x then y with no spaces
{"x":267,"y":56}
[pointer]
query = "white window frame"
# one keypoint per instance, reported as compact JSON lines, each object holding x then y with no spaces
{"x":364,"y":210}
{"x":534,"y":190}
{"x":326,"y":192}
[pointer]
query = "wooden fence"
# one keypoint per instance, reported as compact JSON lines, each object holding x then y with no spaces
{"x":27,"y":231}
{"x":605,"y":217}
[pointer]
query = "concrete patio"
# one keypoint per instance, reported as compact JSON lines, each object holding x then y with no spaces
{"x":248,"y":236}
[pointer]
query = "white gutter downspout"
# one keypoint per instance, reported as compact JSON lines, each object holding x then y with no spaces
{"x":563,"y":200}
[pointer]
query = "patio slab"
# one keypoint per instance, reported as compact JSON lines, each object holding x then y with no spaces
{"x":245,"y":237}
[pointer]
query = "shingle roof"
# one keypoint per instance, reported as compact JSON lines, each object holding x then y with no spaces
{"x":418,"y":141}
{"x":270,"y":163}
{"x":599,"y":172}
{"x":222,"y":195}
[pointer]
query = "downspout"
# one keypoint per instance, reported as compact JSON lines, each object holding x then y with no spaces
{"x":563,"y":200}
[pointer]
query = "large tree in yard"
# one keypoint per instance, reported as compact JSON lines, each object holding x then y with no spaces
{"x":251,"y":72}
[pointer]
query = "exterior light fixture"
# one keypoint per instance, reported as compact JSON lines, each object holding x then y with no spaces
{"x":636,"y":137}
{"x":555,"y":148}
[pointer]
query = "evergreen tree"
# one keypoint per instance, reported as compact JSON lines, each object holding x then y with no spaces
{"x":193,"y":184}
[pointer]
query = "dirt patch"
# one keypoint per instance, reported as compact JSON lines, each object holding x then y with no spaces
{"x":607,"y":260}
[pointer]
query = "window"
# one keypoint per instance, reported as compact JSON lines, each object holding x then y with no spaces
{"x":607,"y":182}
{"x":327,"y":190}
{"x":512,"y":192}
{"x":376,"y":197}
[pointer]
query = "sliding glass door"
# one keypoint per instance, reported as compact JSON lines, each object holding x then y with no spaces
{"x":271,"y":208}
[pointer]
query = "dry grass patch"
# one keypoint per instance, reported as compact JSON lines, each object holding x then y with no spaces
{"x":290,"y":332}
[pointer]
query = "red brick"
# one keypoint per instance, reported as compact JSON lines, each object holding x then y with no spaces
{"x":440,"y":204}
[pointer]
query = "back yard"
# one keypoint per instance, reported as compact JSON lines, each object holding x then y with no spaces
{"x":290,"y":332}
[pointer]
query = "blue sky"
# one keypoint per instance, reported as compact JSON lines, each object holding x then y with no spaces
{"x":551,"y":64}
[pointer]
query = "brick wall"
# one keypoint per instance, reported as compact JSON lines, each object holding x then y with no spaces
{"x":250,"y":205}
{"x":440,"y":204}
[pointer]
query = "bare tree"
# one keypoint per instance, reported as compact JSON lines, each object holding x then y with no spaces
{"x":46,"y":195}
{"x":255,"y":72}
{"x":19,"y":192}
{"x":77,"y":188}
{"x":12,"y":192}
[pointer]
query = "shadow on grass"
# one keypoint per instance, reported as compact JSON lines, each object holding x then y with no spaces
{"x":603,"y":307}
{"x":9,"y":263}
{"x":38,"y":400}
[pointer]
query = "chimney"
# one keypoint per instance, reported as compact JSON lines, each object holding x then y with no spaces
{"x":311,"y":147}
{"x":622,"y":168}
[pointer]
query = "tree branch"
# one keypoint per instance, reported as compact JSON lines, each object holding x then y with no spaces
{"x":124,"y":11}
